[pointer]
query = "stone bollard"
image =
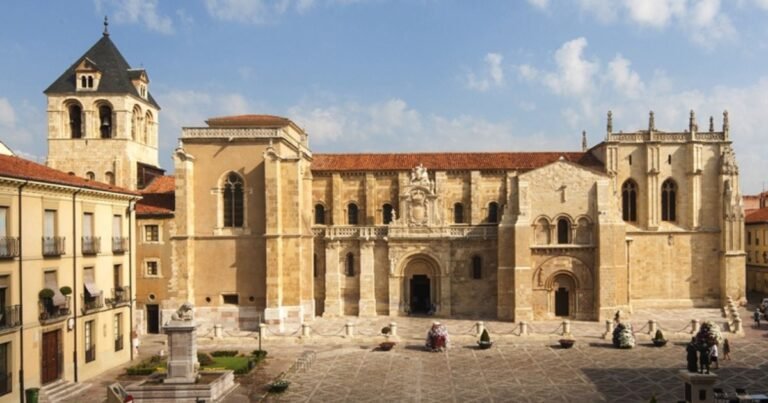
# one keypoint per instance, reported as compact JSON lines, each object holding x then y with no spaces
{"x":393,"y":329}
{"x":304,"y":330}
{"x":523,"y":329}
{"x":694,"y":326}
{"x":262,"y":331}
{"x":349,"y":329}
{"x":480,"y":327}
{"x":217,"y":332}
{"x":737,"y":327}
{"x":652,"y":327}
{"x":566,"y":328}
{"x":608,"y":330}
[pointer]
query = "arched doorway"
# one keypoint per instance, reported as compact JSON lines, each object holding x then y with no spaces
{"x":420,"y":285}
{"x":563,"y":288}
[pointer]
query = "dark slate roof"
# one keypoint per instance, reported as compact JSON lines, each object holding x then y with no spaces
{"x":116,"y":73}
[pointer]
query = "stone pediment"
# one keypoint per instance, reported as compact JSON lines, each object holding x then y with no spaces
{"x":86,"y":65}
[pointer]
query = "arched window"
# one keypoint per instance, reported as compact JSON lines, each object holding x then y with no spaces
{"x":105,"y":122}
{"x":493,"y":212}
{"x":563,"y":231}
{"x":319,"y":214}
{"x":83,"y":82}
{"x":109,"y":177}
{"x":75,"y":121}
{"x":668,"y":200}
{"x":477,"y":267}
{"x":233,"y":201}
{"x":542,"y":232}
{"x":349,"y":266}
{"x":90,"y":176}
{"x":386,"y":213}
{"x":352,"y":214}
{"x":458,"y":213}
{"x":136,"y":123}
{"x":90,"y":81}
{"x":149,"y":129}
{"x":583,"y":232}
{"x":629,"y":201}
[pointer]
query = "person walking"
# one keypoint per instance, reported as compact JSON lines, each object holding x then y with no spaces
{"x":713,"y":356}
{"x":726,"y":350}
{"x":756,"y":316}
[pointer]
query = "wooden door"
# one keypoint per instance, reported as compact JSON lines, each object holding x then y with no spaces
{"x":50,"y":367}
{"x":561,"y":302}
{"x":153,"y":319}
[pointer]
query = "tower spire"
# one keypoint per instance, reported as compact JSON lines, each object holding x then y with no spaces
{"x":106,"y":26}
{"x":583,"y":140}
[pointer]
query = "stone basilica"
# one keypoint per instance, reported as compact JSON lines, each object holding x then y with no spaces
{"x":253,"y":225}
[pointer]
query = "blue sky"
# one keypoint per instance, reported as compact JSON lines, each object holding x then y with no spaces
{"x":412,"y":75}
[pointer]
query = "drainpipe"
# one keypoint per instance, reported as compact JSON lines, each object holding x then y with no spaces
{"x":74,"y":274}
{"x":131,"y":208}
{"x":21,"y":304}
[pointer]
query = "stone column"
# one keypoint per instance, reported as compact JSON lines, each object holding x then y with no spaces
{"x":333,"y":303}
{"x":367,"y":284}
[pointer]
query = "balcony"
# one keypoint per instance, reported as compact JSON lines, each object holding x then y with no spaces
{"x":91,"y":245}
{"x":9,"y":247}
{"x":53,"y":246}
{"x":10,"y":318}
{"x":120,"y":296}
{"x":92,"y":303}
{"x":50,"y":312}
{"x":119,"y":245}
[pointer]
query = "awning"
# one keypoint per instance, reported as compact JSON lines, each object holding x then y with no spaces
{"x":92,"y":290}
{"x":58,"y":298}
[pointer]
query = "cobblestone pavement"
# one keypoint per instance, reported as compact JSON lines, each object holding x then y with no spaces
{"x":530,"y":368}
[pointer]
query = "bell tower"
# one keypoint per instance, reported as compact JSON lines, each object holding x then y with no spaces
{"x":102,"y":119}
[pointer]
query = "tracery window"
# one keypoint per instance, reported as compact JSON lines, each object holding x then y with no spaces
{"x":458,"y":213}
{"x":668,"y":200}
{"x":233,"y":201}
{"x":629,"y":201}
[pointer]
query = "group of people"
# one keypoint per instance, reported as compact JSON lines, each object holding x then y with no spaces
{"x":701,"y":356}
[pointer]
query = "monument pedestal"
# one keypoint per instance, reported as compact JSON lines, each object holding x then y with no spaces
{"x":698,"y":387}
{"x":182,"y":346}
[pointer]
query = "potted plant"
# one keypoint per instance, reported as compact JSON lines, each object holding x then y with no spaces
{"x":566,"y":342}
{"x":45,"y":293}
{"x":279,"y":386}
{"x":658,"y":339}
{"x":66,"y":290}
{"x":485,"y":340}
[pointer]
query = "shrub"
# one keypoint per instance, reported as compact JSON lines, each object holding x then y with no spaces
{"x":225,"y":353}
{"x":147,"y":366}
{"x":386,"y":330}
{"x":66,"y":290}
{"x":204,"y":359}
{"x":45,"y":293}
{"x":259,"y":354}
{"x":659,"y":335}
{"x":484,"y":337}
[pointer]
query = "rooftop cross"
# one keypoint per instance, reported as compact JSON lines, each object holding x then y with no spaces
{"x":106,"y":26}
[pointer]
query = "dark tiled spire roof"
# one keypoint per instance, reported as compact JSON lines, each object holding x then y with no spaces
{"x":116,"y":73}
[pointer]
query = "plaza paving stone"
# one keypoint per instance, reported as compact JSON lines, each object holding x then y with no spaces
{"x":515,"y":369}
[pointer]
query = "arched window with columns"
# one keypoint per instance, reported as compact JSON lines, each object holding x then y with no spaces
{"x":669,"y":200}
{"x":629,"y":201}
{"x":563,"y":231}
{"x":541,"y":232}
{"x":233,"y":204}
{"x":75,"y":114}
{"x":106,"y":123}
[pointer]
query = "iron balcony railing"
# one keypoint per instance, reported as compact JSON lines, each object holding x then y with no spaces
{"x":120,"y":296}
{"x":119,"y":244}
{"x":92,"y":302}
{"x":9,"y":317}
{"x":9,"y":247}
{"x":119,"y":343}
{"x":53,"y":246}
{"x":91,"y":245}
{"x":49,"y":312}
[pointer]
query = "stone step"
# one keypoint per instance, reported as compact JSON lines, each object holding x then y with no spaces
{"x":61,"y":390}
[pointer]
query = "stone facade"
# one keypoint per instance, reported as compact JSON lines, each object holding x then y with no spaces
{"x":757,"y":250}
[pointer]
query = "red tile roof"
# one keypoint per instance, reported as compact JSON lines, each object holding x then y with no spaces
{"x":757,"y":216}
{"x":249,"y":121}
{"x":158,"y":199}
{"x":19,"y":168}
{"x":447,"y":161}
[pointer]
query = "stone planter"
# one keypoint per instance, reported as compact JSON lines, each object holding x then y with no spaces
{"x":484,"y":345}
{"x":659,"y":342}
{"x":566,"y":343}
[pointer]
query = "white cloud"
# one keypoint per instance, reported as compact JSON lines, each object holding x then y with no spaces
{"x":654,"y":13}
{"x":494,"y":76}
{"x":254,"y":11}
{"x":624,"y":80}
{"x":707,"y":25}
{"x":762,"y":4}
{"x":540,"y":4}
{"x":603,"y":10}
{"x":7,"y":113}
{"x":139,"y":11}
{"x":574,"y":75}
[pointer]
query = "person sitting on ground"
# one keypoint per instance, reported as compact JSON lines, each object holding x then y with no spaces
{"x":437,"y":338}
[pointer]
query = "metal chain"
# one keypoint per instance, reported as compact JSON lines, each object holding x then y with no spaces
{"x":327,"y":335}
